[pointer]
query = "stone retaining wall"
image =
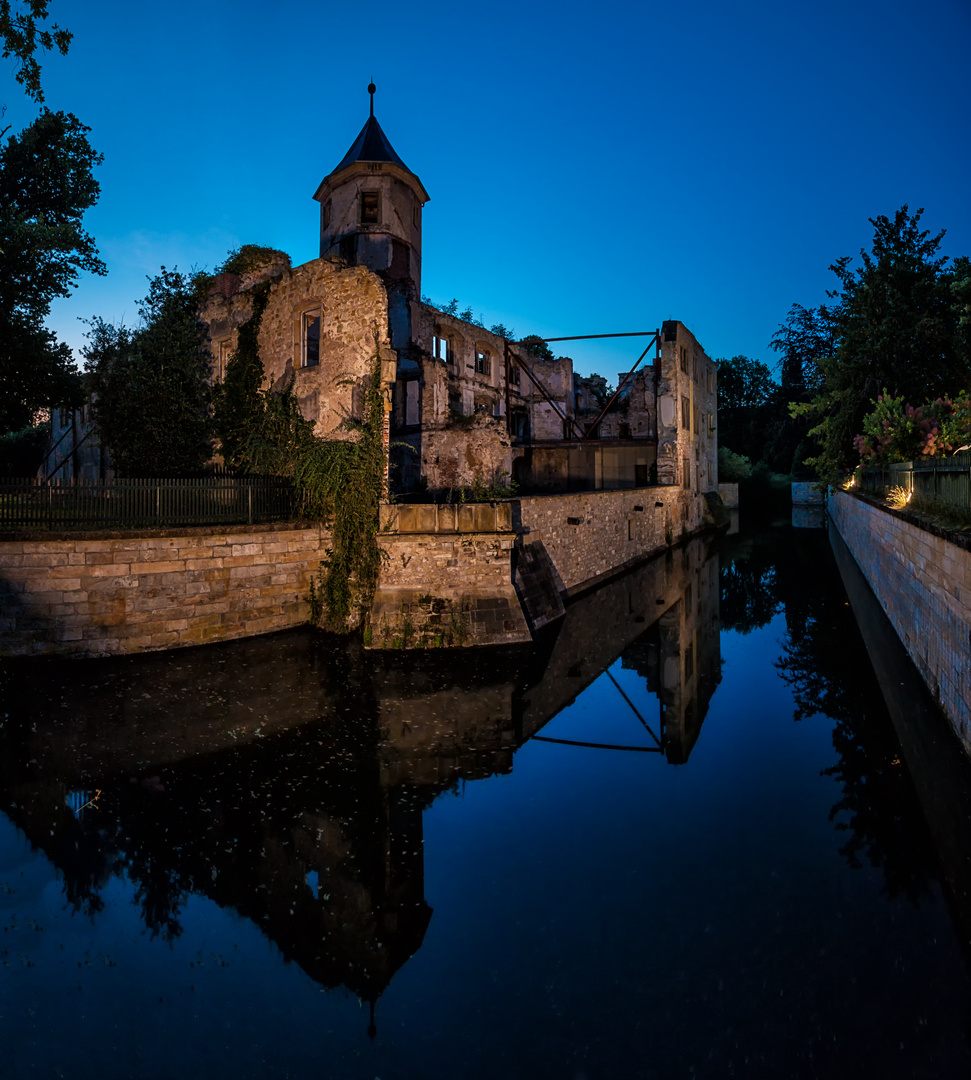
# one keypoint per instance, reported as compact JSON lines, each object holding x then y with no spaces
{"x":590,"y":535}
{"x":115,"y":593}
{"x":923,"y":583}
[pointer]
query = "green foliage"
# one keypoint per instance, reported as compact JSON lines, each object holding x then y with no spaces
{"x":21,"y":452}
{"x":893,"y":431}
{"x":897,"y":324}
{"x":746,"y":397}
{"x":501,"y":330}
{"x":732,"y":467}
{"x":22,"y":33}
{"x":452,"y":308}
{"x":243,"y":260}
{"x":46,"y":184}
{"x":535,"y":346}
{"x":239,"y":404}
{"x":151,"y":385}
{"x":342,"y":482}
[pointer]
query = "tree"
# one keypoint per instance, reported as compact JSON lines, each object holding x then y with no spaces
{"x":151,"y":386}
{"x":896,"y":326}
{"x":745,"y":394}
{"x":22,"y":36}
{"x":46,"y":185}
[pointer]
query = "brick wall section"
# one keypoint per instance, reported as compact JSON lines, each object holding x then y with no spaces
{"x":923,"y":583}
{"x":109,"y":593}
{"x":590,"y":535}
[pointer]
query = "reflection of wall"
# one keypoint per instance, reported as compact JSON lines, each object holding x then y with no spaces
{"x":286,"y":777}
{"x":678,"y":594}
{"x":923,"y":583}
{"x":690,"y":656}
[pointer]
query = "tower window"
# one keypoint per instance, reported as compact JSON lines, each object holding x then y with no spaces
{"x":417,"y":215}
{"x":310,"y":338}
{"x":326,"y":217}
{"x":370,"y":207}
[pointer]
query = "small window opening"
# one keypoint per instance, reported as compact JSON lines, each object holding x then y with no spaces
{"x":482,"y":363}
{"x":514,"y":376}
{"x":326,"y":217}
{"x":442,"y":348}
{"x":370,"y":207}
{"x":311,"y":339}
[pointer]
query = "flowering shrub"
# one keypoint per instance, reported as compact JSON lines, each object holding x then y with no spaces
{"x":894,"y":431}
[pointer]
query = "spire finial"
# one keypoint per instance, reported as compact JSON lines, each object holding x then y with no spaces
{"x":370,"y":89}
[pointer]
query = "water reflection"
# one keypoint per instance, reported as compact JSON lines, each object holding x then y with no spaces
{"x":286,"y":778}
{"x":823,"y":660}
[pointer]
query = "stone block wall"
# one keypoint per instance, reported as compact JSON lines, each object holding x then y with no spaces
{"x":447,"y":589}
{"x":102,"y":594}
{"x":923,"y":583}
{"x":590,"y":535}
{"x":352,"y":304}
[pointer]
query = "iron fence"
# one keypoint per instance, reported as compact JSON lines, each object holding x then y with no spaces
{"x":942,"y":480}
{"x":127,"y":504}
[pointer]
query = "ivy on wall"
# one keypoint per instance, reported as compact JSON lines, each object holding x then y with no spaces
{"x":341,"y":482}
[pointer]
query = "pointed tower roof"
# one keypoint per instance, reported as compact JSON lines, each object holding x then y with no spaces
{"x":371,"y":145}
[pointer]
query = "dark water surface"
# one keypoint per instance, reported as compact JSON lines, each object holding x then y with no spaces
{"x":679,"y":838}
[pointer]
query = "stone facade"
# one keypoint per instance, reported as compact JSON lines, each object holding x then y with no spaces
{"x":467,"y":407}
{"x":923,"y":583}
{"x":118,"y":593}
{"x":493,"y":574}
{"x":323,"y":326}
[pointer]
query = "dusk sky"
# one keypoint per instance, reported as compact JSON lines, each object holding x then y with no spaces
{"x":593,"y":168}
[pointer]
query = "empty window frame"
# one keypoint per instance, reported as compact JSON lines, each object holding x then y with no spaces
{"x":310,"y":338}
{"x":325,"y":219}
{"x":685,"y":413}
{"x":483,"y":365}
{"x":442,"y":347}
{"x":370,"y":207}
{"x":684,"y":359}
{"x":416,"y":214}
{"x":515,"y":379}
{"x":224,"y":350}
{"x":686,"y":472}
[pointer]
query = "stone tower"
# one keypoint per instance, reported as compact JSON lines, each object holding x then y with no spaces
{"x":370,"y":210}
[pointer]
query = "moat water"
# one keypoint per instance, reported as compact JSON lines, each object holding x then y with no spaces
{"x":680,"y":837}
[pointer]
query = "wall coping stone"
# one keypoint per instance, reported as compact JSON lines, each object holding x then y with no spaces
{"x":912,"y":517}
{"x":210,"y":529}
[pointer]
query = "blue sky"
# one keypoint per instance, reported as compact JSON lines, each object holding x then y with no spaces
{"x":592,"y":167}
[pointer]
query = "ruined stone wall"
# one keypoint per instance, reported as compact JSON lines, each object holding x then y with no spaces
{"x":353,"y":306}
{"x":923,"y":583}
{"x":589,"y":535}
{"x":687,"y":408}
{"x":111,"y":593}
{"x":447,"y":589}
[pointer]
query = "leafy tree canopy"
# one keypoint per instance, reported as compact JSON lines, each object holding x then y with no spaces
{"x":46,"y":185}
{"x":897,"y":326}
{"x":151,"y":386}
{"x":22,"y":33}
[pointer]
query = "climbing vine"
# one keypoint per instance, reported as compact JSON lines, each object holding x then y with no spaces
{"x":339,"y":481}
{"x":239,"y":403}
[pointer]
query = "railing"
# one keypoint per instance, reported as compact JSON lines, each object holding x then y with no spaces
{"x":943,"y":480}
{"x":127,"y":504}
